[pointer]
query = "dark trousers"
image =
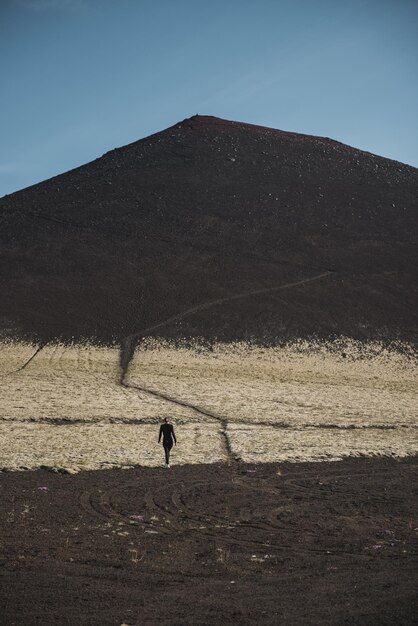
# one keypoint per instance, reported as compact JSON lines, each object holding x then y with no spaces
{"x":167,"y":447}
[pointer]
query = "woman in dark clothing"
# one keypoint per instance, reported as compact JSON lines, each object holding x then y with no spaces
{"x":168,"y":435}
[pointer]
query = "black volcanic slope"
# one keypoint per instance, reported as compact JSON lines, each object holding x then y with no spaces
{"x":211,"y":210}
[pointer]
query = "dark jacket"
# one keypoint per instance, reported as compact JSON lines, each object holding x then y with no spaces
{"x":167,"y":433}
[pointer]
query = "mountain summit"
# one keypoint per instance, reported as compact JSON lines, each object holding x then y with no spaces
{"x":214,"y":229}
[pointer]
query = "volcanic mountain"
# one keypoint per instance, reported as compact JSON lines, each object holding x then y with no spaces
{"x":218,"y":230}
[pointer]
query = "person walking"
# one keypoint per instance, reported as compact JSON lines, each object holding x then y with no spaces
{"x":168,"y":435}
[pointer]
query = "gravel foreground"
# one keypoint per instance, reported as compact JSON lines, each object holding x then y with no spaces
{"x":312,"y":543}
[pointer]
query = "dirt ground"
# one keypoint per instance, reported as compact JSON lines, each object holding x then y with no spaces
{"x":311,"y":543}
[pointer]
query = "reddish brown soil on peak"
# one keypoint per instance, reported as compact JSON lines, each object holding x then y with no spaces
{"x":251,"y":233}
{"x":208,"y":121}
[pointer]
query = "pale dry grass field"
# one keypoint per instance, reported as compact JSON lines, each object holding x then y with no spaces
{"x":310,"y":401}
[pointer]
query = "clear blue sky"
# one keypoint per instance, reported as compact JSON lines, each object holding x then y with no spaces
{"x":80,"y":77}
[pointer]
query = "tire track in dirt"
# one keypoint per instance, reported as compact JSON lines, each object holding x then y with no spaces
{"x":169,"y":513}
{"x":166,"y":513}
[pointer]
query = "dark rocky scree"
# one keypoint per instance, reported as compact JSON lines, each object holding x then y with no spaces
{"x":207,"y":210}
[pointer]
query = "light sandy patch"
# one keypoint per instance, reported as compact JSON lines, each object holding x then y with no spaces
{"x":344,"y":384}
{"x":253,"y":444}
{"x":75,"y":383}
{"x":14,"y":355}
{"x":301,"y":384}
{"x":95,"y":446}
